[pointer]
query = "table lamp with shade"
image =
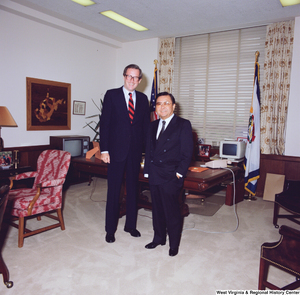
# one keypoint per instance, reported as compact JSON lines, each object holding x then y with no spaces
{"x":6,"y":120}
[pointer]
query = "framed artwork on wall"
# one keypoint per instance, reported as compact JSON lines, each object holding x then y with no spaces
{"x":48,"y":105}
{"x":79,"y":107}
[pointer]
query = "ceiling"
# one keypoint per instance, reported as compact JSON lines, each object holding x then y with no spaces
{"x":166,"y":18}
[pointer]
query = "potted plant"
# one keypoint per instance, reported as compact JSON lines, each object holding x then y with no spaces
{"x":92,"y":123}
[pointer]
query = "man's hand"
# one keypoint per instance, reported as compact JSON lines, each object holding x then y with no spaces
{"x":178,"y":175}
{"x":105,"y":157}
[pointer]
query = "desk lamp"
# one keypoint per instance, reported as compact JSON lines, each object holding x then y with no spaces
{"x":6,"y":120}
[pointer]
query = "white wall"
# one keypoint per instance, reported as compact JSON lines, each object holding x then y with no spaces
{"x":32,"y":48}
{"x":292,"y":146}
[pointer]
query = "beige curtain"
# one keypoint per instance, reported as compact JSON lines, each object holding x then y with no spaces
{"x":166,"y":64}
{"x":274,"y":102}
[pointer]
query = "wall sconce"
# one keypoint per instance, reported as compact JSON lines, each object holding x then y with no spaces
{"x":6,"y":120}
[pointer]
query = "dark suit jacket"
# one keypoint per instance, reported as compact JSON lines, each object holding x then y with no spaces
{"x":117,"y":134}
{"x":171,"y":153}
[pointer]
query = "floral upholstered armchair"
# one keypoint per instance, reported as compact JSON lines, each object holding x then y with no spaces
{"x":44,"y":196}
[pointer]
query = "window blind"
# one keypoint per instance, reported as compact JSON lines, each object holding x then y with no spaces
{"x":213,"y":80}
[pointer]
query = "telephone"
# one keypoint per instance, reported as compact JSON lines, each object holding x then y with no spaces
{"x":216,"y":164}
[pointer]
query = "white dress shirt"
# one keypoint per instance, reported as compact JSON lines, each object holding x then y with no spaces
{"x":126,"y":95}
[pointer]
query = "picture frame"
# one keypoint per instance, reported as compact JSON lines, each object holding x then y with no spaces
{"x":6,"y":159}
{"x":204,"y":152}
{"x":244,"y":139}
{"x":79,"y":107}
{"x":48,"y":105}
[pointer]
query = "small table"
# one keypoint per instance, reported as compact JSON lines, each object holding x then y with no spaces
{"x":11,"y":171}
{"x":5,"y":173}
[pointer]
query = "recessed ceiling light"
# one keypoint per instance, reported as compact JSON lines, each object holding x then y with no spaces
{"x":289,"y":2}
{"x":84,"y":2}
{"x":123,"y":20}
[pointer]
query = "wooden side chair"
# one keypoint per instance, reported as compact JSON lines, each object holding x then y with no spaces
{"x":289,"y":200}
{"x":284,"y":255}
{"x":3,"y":268}
{"x":45,"y":195}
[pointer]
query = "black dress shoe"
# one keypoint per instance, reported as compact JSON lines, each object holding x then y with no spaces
{"x":110,"y":238}
{"x":173,"y":252}
{"x":153,"y":245}
{"x":134,"y":232}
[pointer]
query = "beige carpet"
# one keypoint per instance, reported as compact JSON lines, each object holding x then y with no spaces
{"x":79,"y":261}
{"x":206,"y":204}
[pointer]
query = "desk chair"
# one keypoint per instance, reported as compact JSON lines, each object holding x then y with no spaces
{"x":45,"y":195}
{"x":3,"y":201}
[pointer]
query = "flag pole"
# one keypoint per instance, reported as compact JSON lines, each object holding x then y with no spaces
{"x":250,"y":196}
{"x":155,"y":71}
{"x":153,"y":115}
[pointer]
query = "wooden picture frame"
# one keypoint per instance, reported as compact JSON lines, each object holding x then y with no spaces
{"x":79,"y":107}
{"x":48,"y":105}
{"x":204,"y":152}
{"x":244,"y":139}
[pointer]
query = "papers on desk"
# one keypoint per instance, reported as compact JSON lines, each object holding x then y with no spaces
{"x":197,"y":169}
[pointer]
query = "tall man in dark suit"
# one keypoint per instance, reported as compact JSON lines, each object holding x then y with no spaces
{"x":124,"y":123}
{"x":168,"y":155}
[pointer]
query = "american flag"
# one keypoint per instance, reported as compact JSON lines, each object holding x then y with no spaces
{"x":153,"y":115}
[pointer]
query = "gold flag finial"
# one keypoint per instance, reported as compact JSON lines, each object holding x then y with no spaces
{"x":256,"y":56}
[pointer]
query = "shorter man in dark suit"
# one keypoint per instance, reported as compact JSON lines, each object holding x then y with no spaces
{"x":169,"y":152}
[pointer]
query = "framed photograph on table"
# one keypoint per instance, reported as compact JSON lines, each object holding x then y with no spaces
{"x":78,"y":107}
{"x":204,"y":152}
{"x":48,"y":105}
{"x":244,"y":139}
{"x":6,"y":159}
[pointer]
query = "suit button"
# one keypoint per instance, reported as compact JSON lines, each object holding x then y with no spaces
{"x":160,"y":161}
{"x":151,"y":161}
{"x":165,"y":151}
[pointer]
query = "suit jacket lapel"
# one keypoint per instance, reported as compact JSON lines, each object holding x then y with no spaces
{"x":122,"y":103}
{"x":169,"y":130}
{"x":153,"y":133}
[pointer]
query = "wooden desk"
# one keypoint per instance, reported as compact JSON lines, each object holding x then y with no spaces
{"x":194,"y":181}
{"x":88,"y":166}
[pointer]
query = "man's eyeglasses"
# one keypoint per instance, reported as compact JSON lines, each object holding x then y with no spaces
{"x":129,"y":78}
{"x":165,"y":103}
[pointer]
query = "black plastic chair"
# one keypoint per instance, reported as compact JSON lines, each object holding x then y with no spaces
{"x":289,"y":200}
{"x":4,"y":190}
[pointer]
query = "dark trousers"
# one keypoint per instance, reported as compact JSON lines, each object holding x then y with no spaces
{"x":166,"y":214}
{"x":115,"y":174}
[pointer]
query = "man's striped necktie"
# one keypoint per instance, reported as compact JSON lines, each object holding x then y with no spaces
{"x":130,"y":107}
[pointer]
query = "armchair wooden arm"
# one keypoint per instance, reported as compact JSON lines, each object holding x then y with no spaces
{"x":40,"y":186}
